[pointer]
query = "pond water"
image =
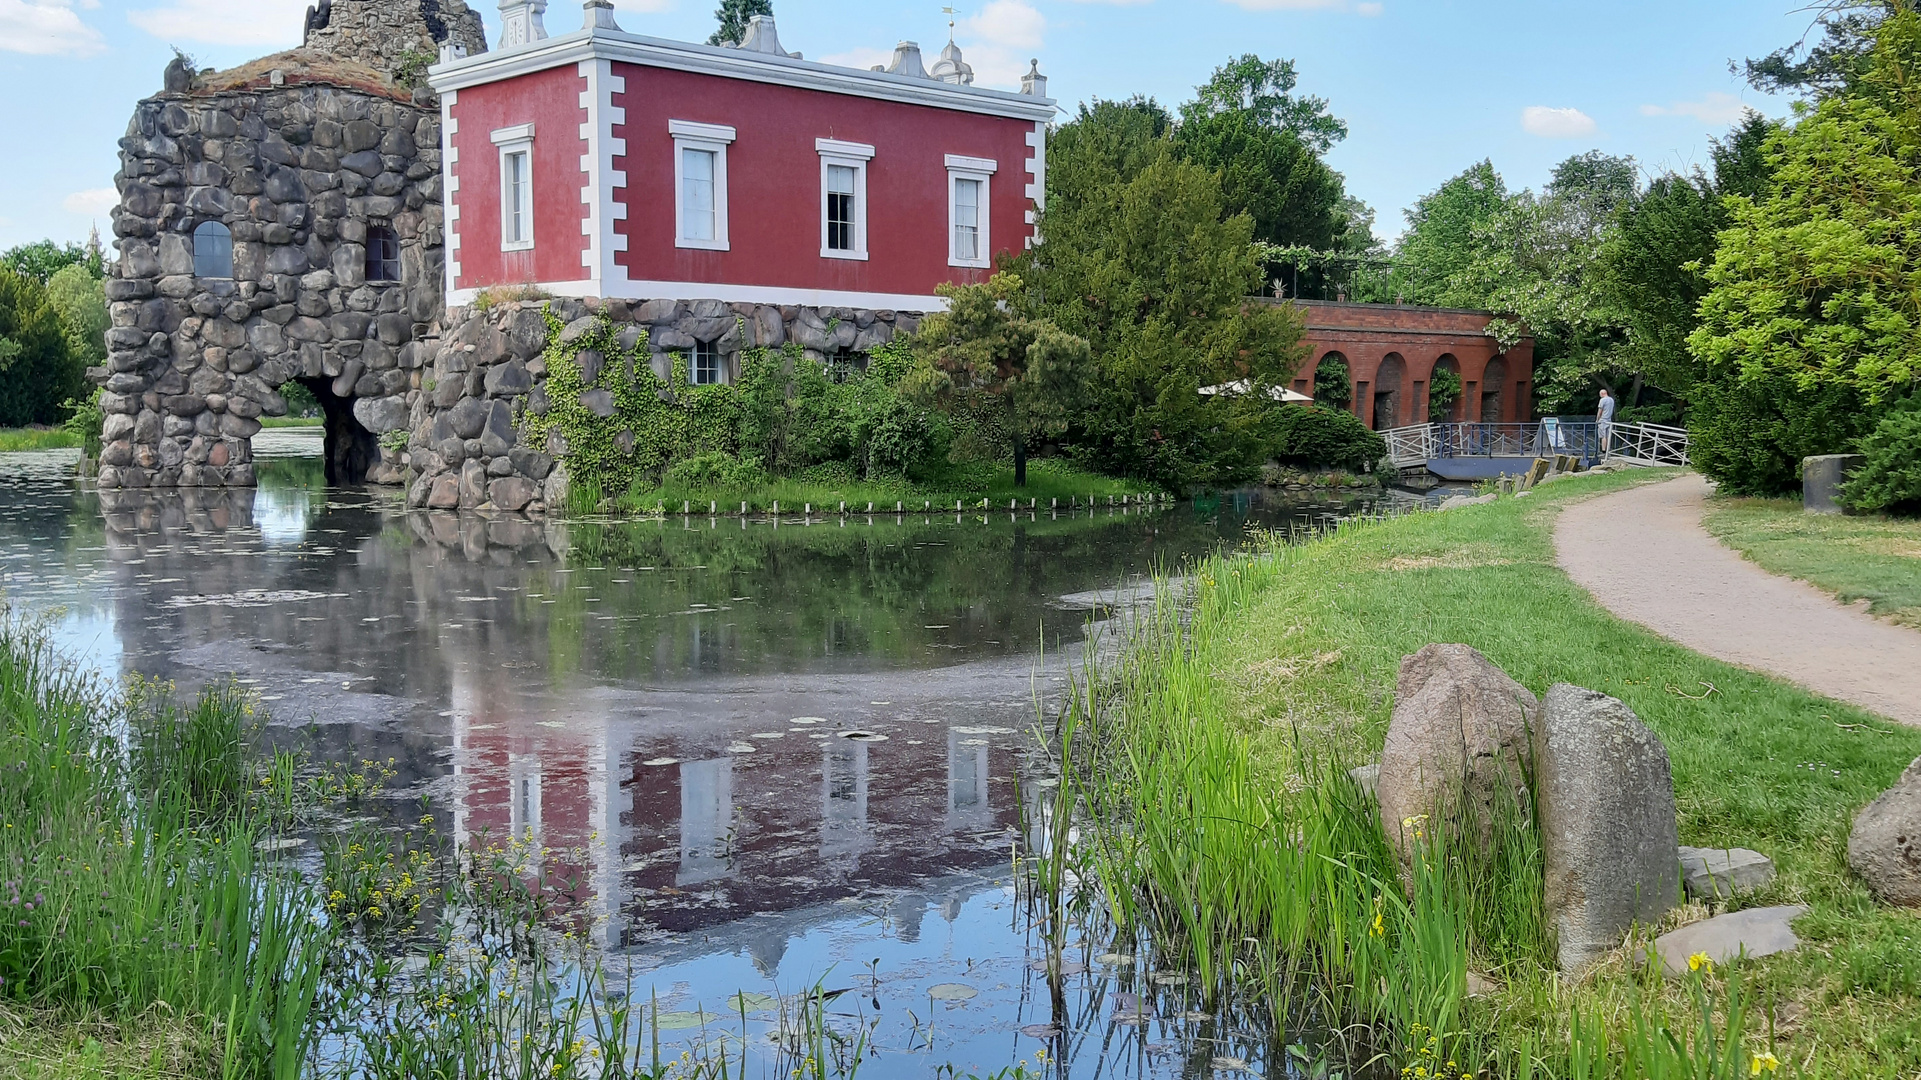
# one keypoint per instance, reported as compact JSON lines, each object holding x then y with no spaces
{"x":769,"y":753}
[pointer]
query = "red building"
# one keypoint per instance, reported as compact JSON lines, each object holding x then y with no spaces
{"x":609,"y":164}
{"x":1392,"y":351}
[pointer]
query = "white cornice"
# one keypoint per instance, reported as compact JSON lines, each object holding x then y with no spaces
{"x":622,"y":47}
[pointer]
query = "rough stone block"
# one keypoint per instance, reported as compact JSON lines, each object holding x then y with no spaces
{"x":1605,"y":794}
{"x":381,"y":415}
{"x":1821,"y":480}
{"x":1885,"y":847}
{"x":1457,"y":746}
{"x":1718,"y":873}
{"x":511,"y":493}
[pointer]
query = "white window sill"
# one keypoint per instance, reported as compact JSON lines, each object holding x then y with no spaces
{"x":851,"y":256}
{"x":971,"y":264}
{"x":528,"y":246}
{"x":703,"y":245}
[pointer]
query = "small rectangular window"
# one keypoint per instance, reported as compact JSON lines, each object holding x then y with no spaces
{"x":841,"y":193}
{"x":517,"y":200}
{"x":697,"y":191}
{"x":707,"y":368}
{"x":967,"y":220}
{"x":383,"y":254}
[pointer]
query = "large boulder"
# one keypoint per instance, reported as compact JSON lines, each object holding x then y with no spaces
{"x":1457,"y":747}
{"x":1885,"y":848}
{"x":1606,"y":809}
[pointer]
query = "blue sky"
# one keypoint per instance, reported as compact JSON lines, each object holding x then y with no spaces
{"x":1428,"y":87}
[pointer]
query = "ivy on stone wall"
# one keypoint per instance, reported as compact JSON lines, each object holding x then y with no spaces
{"x":617,"y":425}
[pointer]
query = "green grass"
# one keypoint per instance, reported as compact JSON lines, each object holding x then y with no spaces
{"x":1877,"y":559}
{"x":291,"y":421}
{"x":1286,"y":674}
{"x":15,"y":440}
{"x":1046,"y":481}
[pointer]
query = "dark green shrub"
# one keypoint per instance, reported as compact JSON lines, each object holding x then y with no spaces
{"x":1317,"y":438}
{"x":1332,"y":384}
{"x":1751,"y":439}
{"x":714,"y":471}
{"x":1889,"y":481}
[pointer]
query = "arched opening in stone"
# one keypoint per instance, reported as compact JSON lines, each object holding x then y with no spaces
{"x":1492,"y":411}
{"x":1387,"y":392}
{"x":1444,"y":391}
{"x":351,"y":451}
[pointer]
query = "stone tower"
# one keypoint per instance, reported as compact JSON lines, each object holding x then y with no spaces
{"x":281,"y":223}
{"x":387,"y":35}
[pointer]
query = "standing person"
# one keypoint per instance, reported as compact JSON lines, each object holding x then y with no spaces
{"x":1605,"y":422}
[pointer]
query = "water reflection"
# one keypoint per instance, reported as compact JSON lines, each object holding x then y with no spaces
{"x":717,"y":734}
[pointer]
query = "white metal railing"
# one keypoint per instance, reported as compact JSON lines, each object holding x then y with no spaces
{"x":1643,"y":445}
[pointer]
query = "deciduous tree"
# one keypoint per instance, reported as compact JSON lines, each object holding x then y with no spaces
{"x":733,"y":16}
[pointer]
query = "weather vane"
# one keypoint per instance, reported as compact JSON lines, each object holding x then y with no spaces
{"x":950,"y":23}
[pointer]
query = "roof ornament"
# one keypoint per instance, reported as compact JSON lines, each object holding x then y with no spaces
{"x":1034,"y":84}
{"x":520,"y":22}
{"x":600,"y":15}
{"x":907,"y":61}
{"x":951,"y":67}
{"x":762,"y":37}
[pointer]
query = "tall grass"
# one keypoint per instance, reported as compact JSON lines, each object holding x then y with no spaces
{"x":1281,"y":885}
{"x":130,"y":876}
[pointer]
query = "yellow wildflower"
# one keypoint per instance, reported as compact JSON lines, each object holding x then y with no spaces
{"x":1764,"y":1063}
{"x":1701,"y":962}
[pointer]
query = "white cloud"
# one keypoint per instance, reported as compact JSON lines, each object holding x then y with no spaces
{"x":47,"y":28}
{"x":95,"y":203}
{"x":1551,"y":123}
{"x":1369,"y":8}
{"x":269,"y":23}
{"x":1717,"y":108}
{"x":1013,"y":23}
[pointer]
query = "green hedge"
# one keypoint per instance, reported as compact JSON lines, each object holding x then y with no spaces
{"x":1319,"y":438}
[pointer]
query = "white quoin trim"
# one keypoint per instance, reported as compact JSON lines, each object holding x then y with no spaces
{"x":597,"y":169}
{"x":450,"y":189}
{"x":1037,"y":178}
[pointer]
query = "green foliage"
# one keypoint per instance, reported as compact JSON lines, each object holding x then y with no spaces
{"x":1836,"y":63}
{"x":1333,"y":384}
{"x":1444,"y":388}
{"x":38,"y":370}
{"x":1266,"y":145}
{"x":733,"y":16}
{"x":782,"y":416}
{"x":1440,"y":242}
{"x":1889,"y":480}
{"x":412,"y":68}
{"x":1143,"y":262}
{"x":43,"y":259}
{"x":80,"y":298}
{"x":980,"y":355}
{"x":1751,"y":438}
{"x":1815,"y":290}
{"x":1313,"y":437}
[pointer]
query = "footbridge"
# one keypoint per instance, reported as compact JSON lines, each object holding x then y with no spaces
{"x":1485,"y":451}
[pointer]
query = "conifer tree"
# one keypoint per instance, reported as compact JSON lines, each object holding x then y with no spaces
{"x":734,"y":15}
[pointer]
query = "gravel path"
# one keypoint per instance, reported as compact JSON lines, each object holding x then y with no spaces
{"x":1645,"y":557}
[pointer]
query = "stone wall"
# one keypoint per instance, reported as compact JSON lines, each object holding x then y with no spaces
{"x":387,"y":34}
{"x":466,"y":450}
{"x":298,"y":173}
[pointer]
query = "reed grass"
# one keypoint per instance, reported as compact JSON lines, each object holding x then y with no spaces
{"x":18,"y":440}
{"x":1047,"y":482}
{"x":1227,"y":833}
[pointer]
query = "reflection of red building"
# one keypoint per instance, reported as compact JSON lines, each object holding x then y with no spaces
{"x":1392,"y":352}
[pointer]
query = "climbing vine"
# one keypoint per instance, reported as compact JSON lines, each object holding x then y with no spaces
{"x":783,"y":415}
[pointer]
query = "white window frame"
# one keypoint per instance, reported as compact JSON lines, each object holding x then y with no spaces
{"x":713,"y":139}
{"x":982,"y":170}
{"x":510,"y":141}
{"x":853,"y":156}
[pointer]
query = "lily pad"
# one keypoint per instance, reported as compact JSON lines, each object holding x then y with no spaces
{"x":1044,"y":1032}
{"x":808,"y":721}
{"x":863,"y":736}
{"x":286,"y":844}
{"x":746,"y":1001}
{"x":768,"y":735}
{"x":1114,"y":960}
{"x":1230,"y":1064}
{"x":660,"y":762}
{"x":684,"y":1021}
{"x":953,"y":992}
{"x":742,"y":748}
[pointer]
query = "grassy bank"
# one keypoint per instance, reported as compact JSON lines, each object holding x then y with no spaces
{"x":291,"y":422}
{"x":1047,"y":481}
{"x":1877,"y":559}
{"x":1224,"y":737}
{"x":16,"y":440}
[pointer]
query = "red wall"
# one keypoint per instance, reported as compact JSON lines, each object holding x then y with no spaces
{"x":1366,"y":335}
{"x":550,"y":100}
{"x":774,"y":197}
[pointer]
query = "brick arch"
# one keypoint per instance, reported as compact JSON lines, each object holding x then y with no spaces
{"x":1446,"y":362}
{"x":1304,"y":379}
{"x":1494,"y":403}
{"x":1387,"y":406}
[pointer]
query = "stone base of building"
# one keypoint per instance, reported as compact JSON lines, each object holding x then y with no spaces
{"x":466,"y":451}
